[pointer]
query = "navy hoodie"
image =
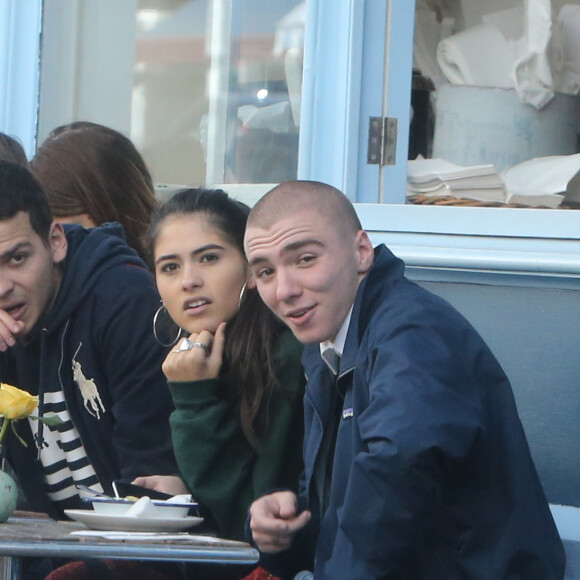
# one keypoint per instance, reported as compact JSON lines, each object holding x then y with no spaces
{"x":97,"y":343}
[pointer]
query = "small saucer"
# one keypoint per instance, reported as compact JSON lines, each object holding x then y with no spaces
{"x":118,"y":523}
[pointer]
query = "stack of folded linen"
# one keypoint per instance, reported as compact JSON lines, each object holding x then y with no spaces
{"x":437,"y":177}
{"x":539,"y":182}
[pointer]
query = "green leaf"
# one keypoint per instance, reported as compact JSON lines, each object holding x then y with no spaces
{"x":50,"y":420}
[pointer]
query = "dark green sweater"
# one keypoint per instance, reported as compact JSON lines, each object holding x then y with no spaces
{"x":223,"y":472}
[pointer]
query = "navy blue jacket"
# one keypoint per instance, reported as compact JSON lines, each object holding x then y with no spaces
{"x":432,"y":475}
{"x":102,"y":321}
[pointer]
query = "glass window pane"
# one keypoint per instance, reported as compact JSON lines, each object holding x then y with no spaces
{"x":216,"y":96}
{"x":496,"y":90}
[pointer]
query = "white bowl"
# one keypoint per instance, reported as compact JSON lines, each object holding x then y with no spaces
{"x":153,"y":508}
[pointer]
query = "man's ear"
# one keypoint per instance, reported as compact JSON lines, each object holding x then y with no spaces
{"x":58,"y":242}
{"x":365,"y":252}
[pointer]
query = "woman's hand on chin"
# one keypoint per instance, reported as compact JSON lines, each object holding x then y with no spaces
{"x":202,"y":361}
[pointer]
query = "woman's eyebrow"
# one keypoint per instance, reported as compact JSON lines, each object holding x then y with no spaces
{"x":165,"y":257}
{"x":195,"y":252}
{"x":205,"y":248}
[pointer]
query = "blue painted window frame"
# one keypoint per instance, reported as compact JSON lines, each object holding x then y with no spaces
{"x":20,"y":26}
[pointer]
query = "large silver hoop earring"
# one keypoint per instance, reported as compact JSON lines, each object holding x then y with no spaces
{"x":243,"y":291}
{"x":158,"y":318}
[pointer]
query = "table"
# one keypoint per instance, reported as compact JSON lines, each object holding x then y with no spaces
{"x":38,"y":536}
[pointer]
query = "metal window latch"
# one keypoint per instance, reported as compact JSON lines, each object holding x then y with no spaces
{"x":382,"y":141}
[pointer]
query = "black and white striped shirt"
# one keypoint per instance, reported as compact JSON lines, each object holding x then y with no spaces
{"x":63,"y":456}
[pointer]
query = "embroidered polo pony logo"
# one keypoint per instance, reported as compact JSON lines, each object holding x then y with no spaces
{"x":88,"y":389}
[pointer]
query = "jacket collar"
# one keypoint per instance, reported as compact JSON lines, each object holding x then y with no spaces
{"x":386,"y":271}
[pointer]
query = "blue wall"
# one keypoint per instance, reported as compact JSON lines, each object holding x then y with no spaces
{"x":535,"y":334}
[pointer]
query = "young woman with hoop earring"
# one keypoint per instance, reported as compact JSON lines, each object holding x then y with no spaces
{"x":234,"y":370}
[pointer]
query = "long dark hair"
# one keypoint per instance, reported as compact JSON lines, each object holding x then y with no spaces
{"x":251,"y":336}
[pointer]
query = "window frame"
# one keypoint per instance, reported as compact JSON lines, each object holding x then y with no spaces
{"x":20,"y":26}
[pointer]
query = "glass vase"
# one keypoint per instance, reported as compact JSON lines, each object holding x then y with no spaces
{"x":8,"y":496}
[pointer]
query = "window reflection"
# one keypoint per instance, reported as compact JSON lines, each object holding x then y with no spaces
{"x":497,"y":83}
{"x":217,"y":89}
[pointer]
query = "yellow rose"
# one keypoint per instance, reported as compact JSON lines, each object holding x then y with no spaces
{"x":15,"y":403}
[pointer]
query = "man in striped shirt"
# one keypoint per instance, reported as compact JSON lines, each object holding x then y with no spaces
{"x":76,"y":308}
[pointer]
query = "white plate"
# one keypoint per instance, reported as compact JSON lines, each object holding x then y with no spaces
{"x":97,"y":521}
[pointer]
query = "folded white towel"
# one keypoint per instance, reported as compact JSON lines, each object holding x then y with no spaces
{"x":542,"y":175}
{"x":479,"y":56}
{"x":532,"y":75}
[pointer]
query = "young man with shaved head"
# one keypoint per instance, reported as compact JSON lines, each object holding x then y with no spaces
{"x":416,"y":463}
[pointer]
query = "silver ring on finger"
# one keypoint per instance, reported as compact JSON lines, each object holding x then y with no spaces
{"x":201,"y":345}
{"x":186,"y":344}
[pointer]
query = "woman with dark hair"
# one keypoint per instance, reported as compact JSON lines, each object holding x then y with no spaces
{"x":93,"y":174}
{"x":236,"y":378}
{"x":11,"y":150}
